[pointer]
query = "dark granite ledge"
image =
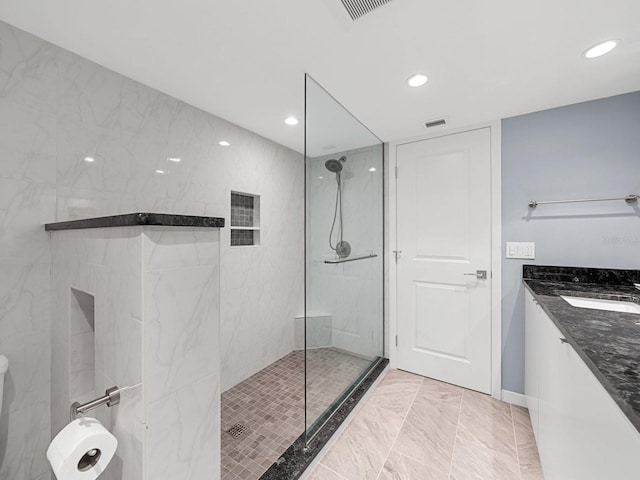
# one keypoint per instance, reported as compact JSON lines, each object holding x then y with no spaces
{"x":134,"y":219}
{"x":597,"y":276}
{"x":608,"y":342}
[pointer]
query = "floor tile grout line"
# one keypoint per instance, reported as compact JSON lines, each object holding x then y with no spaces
{"x":455,"y":439}
{"x":396,"y":413}
{"x":404,"y":420}
{"x":332,"y":471}
{"x":515,"y":439}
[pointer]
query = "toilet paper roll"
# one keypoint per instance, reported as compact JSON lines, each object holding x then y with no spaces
{"x":82,"y":450}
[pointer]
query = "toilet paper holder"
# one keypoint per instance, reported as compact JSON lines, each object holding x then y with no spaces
{"x":111,"y":397}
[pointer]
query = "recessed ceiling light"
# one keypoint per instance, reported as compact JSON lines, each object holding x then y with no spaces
{"x":321,"y":177}
{"x":89,"y":159}
{"x":224,"y":143}
{"x":601,"y":49}
{"x":161,"y":172}
{"x":372,"y":169}
{"x":291,"y":121}
{"x":174,"y":159}
{"x":417,"y":80}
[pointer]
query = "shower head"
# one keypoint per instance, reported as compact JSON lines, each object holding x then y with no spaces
{"x":335,"y":166}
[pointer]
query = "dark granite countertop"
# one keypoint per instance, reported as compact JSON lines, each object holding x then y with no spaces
{"x":133,"y":219}
{"x":608,"y":342}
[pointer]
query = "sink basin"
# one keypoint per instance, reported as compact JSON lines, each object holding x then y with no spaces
{"x":601,"y":304}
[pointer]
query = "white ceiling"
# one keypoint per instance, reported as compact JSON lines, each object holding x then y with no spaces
{"x":244,"y":60}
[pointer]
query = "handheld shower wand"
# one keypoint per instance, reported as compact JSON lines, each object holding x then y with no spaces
{"x":342,"y":248}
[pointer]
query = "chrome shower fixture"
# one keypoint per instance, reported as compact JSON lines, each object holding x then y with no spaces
{"x":335,"y":166}
{"x":342,"y":247}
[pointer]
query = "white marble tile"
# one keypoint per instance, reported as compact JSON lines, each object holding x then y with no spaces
{"x":82,"y":365}
{"x":94,"y":189}
{"x":24,"y":438}
{"x":27,"y":143}
{"x":182,"y":325}
{"x":28,"y":69}
{"x":27,"y":382}
{"x":356,"y":317}
{"x":24,"y":297}
{"x":146,"y":115}
{"x":88,"y":94}
{"x":128,"y":352}
{"x":167,"y":248}
{"x":123,"y":423}
{"x":24,"y":207}
{"x":184,"y":433}
{"x":107,"y":264}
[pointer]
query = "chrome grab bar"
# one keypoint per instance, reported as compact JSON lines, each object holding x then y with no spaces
{"x":345,"y":260}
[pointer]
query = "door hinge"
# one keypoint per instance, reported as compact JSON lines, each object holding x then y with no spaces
{"x":396,"y":171}
{"x":396,"y":340}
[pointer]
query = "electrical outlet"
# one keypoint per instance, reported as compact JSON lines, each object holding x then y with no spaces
{"x":524,"y":250}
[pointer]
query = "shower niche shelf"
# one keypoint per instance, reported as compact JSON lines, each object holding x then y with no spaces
{"x":245,"y":219}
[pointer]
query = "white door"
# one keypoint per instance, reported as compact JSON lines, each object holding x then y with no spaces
{"x":444,"y":236}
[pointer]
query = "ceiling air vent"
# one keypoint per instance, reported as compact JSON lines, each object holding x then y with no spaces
{"x":435,"y":123}
{"x":359,"y":8}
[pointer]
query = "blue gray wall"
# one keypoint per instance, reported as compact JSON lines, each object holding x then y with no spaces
{"x":590,"y":149}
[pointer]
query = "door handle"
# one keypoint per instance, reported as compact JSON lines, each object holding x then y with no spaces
{"x":480,"y":274}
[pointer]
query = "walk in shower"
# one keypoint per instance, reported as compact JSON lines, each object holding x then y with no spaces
{"x":272,"y":422}
{"x":343,"y":254}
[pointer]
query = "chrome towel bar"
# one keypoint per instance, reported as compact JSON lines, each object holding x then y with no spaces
{"x":627,"y":198}
{"x":345,"y":260}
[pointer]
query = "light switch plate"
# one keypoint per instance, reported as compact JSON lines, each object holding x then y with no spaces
{"x":525,"y":250}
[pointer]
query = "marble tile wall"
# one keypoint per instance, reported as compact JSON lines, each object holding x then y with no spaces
{"x":351,"y":293}
{"x":156,"y":292}
{"x":57,"y":108}
{"x":106,"y":264}
{"x":130,"y":131}
{"x":28,"y":102}
{"x":182,"y":372}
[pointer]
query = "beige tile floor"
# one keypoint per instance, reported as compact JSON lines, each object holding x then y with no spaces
{"x":415,"y":428}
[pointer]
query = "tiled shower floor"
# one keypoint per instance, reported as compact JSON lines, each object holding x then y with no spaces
{"x":270,"y":404}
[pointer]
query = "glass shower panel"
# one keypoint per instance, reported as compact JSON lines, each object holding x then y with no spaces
{"x":343,"y":254}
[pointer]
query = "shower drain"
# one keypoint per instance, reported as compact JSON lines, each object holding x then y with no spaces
{"x":237,"y":430}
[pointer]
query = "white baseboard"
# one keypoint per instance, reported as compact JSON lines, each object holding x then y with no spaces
{"x":514,"y":398}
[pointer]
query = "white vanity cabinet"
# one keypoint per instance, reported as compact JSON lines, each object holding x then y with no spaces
{"x":532,"y":359}
{"x":581,"y":432}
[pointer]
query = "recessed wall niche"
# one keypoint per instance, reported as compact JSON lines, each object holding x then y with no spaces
{"x":245,"y":219}
{"x":82,"y":349}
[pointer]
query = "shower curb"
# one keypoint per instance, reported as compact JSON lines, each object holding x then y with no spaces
{"x":295,"y":460}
